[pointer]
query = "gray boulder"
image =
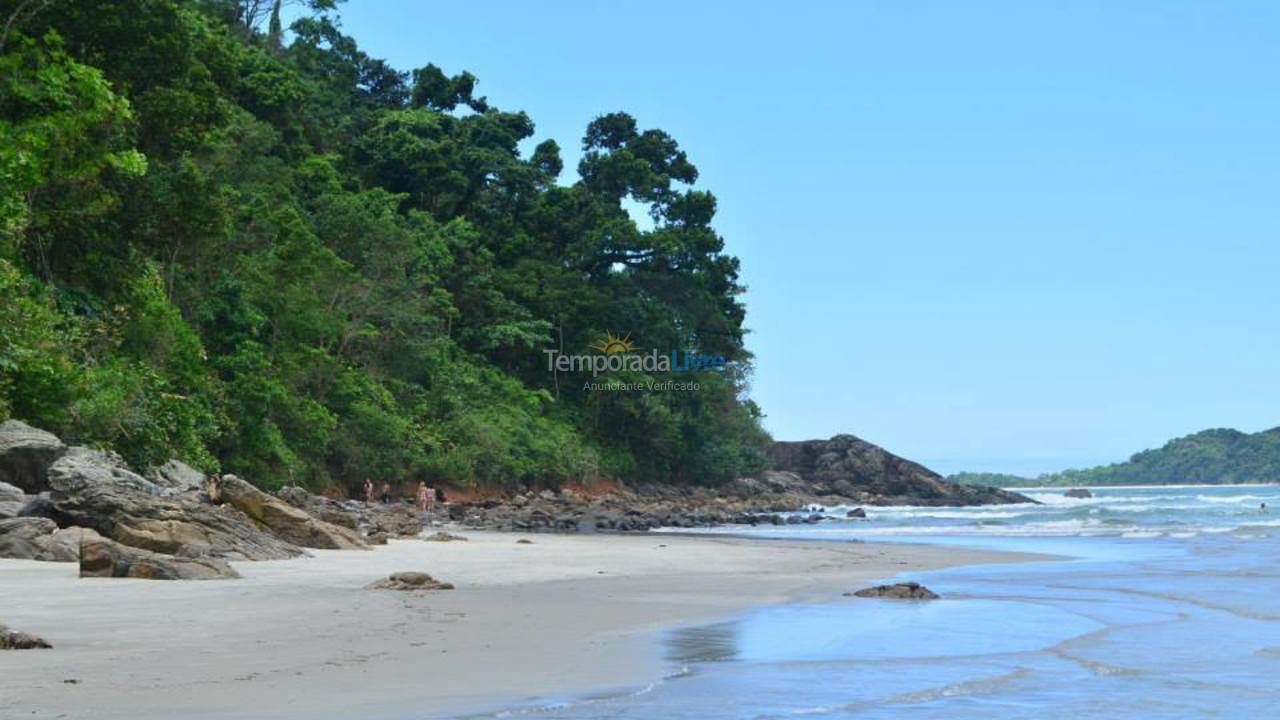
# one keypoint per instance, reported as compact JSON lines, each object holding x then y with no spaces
{"x":13,"y":640}
{"x":285,"y":520}
{"x":409,"y":581}
{"x":176,"y":477}
{"x":25,"y":538}
{"x":26,"y":454}
{"x":1078,"y":493}
{"x":35,"y":538}
{"x":100,"y":557}
{"x":92,"y":490}
{"x":443,"y":536}
{"x":897,"y":591}
{"x":12,"y":500}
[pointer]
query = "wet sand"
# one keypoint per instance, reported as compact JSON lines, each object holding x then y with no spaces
{"x":303,"y":639}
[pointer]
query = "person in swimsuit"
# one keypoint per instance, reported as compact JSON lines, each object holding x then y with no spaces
{"x":368,"y":490}
{"x":386,"y":493}
{"x":423,"y":497}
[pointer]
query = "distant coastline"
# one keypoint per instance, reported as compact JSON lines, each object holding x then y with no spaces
{"x":1221,"y":456}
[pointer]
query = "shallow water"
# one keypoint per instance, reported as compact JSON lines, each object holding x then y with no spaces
{"x":1171,"y":609}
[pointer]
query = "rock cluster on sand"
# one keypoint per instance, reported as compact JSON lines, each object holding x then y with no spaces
{"x":842,"y":471}
{"x":12,"y":640}
{"x":37,"y":538}
{"x":71,"y":504}
{"x":286,"y":521}
{"x":94,"y":490}
{"x":100,"y":557}
{"x":897,"y":591}
{"x":443,"y":536}
{"x":409,"y":581}
{"x":376,"y":522}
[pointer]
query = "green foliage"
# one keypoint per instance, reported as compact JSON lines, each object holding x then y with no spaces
{"x":37,"y":352}
{"x":1220,"y":456}
{"x":302,"y":265}
{"x":1000,"y":480}
{"x":63,"y":139}
{"x":1213,"y":456}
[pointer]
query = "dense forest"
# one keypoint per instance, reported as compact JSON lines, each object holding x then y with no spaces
{"x":262,"y":251}
{"x":1220,"y":456}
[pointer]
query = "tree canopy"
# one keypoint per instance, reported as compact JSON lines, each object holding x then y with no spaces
{"x":292,"y":261}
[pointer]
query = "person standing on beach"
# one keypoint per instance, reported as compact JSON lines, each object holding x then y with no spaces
{"x":386,"y":493}
{"x":424,"y":496}
{"x":368,"y":491}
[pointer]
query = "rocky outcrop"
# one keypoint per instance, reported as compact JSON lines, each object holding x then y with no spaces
{"x":91,"y":489}
{"x":1078,"y":493}
{"x":12,"y":500}
{"x":370,"y":519}
{"x":849,"y":467}
{"x":100,"y":557}
{"x":26,"y":454}
{"x":177,"y":478}
{"x":641,"y":509}
{"x":897,"y":591}
{"x":34,"y":538}
{"x":409,"y":581}
{"x":286,"y":521}
{"x":13,"y":640}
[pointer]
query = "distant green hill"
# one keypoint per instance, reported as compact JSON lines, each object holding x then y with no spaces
{"x":1220,"y":456}
{"x":992,"y":479}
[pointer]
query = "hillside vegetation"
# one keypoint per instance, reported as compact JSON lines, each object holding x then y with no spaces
{"x":264,"y":252}
{"x":1221,"y":456}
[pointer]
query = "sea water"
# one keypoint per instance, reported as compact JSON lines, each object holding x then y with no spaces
{"x":1168,"y":608}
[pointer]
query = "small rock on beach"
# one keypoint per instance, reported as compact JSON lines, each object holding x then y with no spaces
{"x":897,"y":591}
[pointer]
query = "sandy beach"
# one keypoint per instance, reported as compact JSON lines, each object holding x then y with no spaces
{"x":303,"y":638}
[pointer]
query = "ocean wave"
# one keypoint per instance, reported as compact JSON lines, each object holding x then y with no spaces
{"x":1232,"y":499}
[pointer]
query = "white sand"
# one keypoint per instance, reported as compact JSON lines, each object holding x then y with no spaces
{"x":303,"y":639}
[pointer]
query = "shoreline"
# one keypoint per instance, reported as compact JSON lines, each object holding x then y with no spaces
{"x":302,"y":638}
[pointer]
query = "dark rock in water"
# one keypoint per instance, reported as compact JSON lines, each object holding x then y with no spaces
{"x":26,"y":454}
{"x":409,"y":581}
{"x":856,"y":513}
{"x":35,"y":538}
{"x":1080,"y":493}
{"x":524,"y":541}
{"x":91,"y":489}
{"x":12,"y":640}
{"x":100,"y":557}
{"x":443,"y":536}
{"x":378,"y":538}
{"x":854,"y":468}
{"x":897,"y":591}
{"x":284,"y":520}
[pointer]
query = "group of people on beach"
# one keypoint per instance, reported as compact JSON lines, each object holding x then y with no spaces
{"x":426,"y":495}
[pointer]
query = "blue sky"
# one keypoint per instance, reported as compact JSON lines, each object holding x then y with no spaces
{"x":1007,"y":236}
